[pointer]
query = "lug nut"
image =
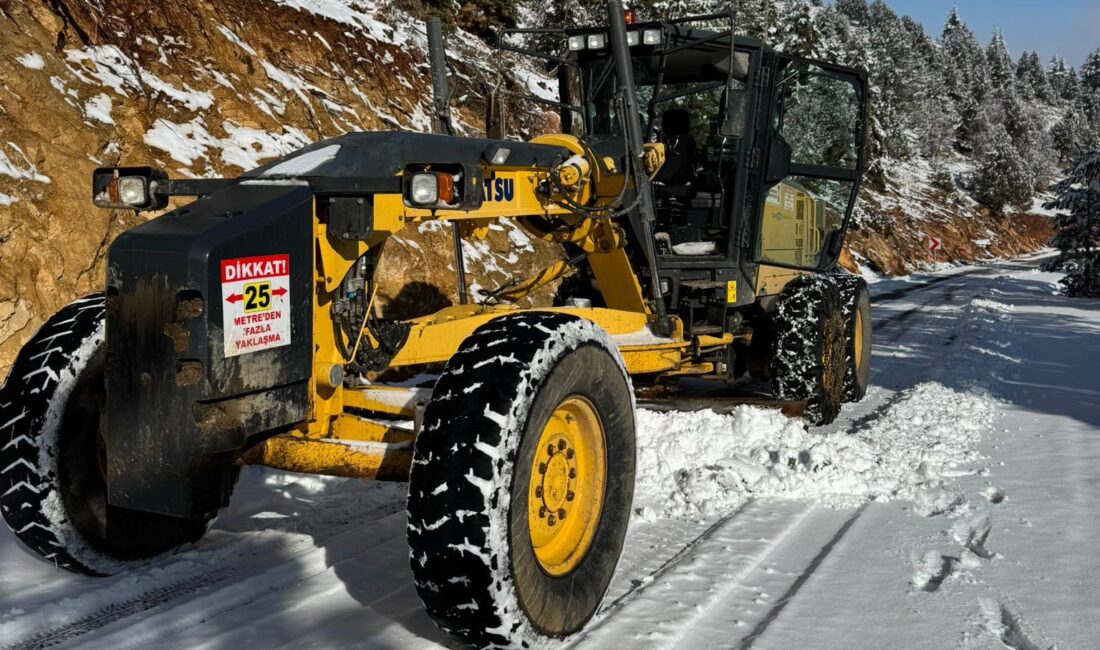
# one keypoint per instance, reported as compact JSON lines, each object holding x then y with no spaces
{"x":561,"y":514}
{"x":538,"y":491}
{"x":569,"y":454}
{"x":561,"y":445}
{"x":572,"y":472}
{"x":542,"y":468}
{"x":542,"y":511}
{"x":550,"y":449}
{"x":569,"y":496}
{"x":551,"y":520}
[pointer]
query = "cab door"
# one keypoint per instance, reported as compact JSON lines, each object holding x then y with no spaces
{"x":813,"y":165}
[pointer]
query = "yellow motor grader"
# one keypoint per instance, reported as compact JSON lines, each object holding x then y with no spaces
{"x":700,"y":190}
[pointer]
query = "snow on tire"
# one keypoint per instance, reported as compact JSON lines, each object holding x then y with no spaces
{"x":522,"y":481}
{"x":855,"y":300}
{"x":808,"y":346}
{"x":52,"y":491}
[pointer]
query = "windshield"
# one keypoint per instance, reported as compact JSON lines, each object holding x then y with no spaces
{"x":693,"y":81}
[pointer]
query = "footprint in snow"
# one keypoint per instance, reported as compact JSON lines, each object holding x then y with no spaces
{"x":932,"y":569}
{"x":972,"y":535}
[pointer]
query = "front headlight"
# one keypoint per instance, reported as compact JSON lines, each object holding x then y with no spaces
{"x":447,"y":186}
{"x":424,"y":189}
{"x":131,"y":190}
{"x":128,"y":188}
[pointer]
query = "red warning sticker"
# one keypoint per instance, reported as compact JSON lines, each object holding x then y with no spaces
{"x":255,"y":303}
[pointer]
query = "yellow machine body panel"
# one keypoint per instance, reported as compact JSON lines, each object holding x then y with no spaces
{"x":793,"y":226}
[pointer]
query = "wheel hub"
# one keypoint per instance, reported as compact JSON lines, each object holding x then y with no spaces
{"x":567,"y":485}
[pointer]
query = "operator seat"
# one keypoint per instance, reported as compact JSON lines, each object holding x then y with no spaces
{"x":680,"y":148}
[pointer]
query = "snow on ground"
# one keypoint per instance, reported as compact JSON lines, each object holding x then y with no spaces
{"x":953,"y":507}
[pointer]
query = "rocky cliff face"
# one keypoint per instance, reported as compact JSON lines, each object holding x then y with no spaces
{"x":215,"y":88}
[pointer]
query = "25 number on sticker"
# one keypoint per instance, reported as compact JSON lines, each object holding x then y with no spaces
{"x":257,"y":297}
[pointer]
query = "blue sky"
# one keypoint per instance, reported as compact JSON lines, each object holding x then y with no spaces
{"x":1068,"y":28}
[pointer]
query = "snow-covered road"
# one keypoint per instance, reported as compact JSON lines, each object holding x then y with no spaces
{"x":953,"y":507}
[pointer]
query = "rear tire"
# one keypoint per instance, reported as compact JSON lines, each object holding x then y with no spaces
{"x":856,"y":301}
{"x":52,"y":490}
{"x":532,"y":419}
{"x":808,"y":348}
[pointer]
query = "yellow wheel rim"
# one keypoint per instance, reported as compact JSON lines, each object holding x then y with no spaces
{"x":859,"y":338}
{"x":565,"y":497}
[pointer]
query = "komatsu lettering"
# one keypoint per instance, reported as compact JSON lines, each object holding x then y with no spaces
{"x":500,"y":189}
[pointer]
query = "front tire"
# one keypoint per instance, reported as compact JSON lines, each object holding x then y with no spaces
{"x":522,"y":481}
{"x":52,"y":486}
{"x":808,"y":348}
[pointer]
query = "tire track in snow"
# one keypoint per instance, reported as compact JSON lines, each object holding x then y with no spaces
{"x":273,"y":594}
{"x":988,"y":271}
{"x":781,"y":604}
{"x":232,"y":563}
{"x":683,"y":589}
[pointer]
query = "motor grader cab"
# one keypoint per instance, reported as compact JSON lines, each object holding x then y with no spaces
{"x":751,"y":134}
{"x":242,"y":328}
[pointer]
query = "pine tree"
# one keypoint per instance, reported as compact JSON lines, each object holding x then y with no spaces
{"x":1063,"y":80}
{"x":1002,"y":179}
{"x":966,"y":77}
{"x":1073,"y":135}
{"x":796,"y":33}
{"x":1002,"y":73}
{"x":933,"y":115}
{"x":856,"y":11}
{"x":1090,"y":72}
{"x":1031,"y":79}
{"x":1077,"y":226}
{"x":757,"y":18}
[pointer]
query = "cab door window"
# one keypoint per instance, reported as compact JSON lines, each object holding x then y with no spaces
{"x":818,"y":120}
{"x":818,"y":116}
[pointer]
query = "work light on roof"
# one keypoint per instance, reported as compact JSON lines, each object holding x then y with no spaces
{"x":651,"y":37}
{"x":597,"y":41}
{"x":633,"y":38}
{"x":576,"y":42}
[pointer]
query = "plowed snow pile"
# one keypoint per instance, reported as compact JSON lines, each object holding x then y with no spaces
{"x":705,"y":464}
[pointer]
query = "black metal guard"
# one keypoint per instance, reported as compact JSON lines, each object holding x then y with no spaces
{"x":624,"y":70}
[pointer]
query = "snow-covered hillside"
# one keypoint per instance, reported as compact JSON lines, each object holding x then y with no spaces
{"x":951,"y":508}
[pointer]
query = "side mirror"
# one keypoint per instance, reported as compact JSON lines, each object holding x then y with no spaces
{"x":127,"y":188}
{"x":779,"y":160}
{"x":733,"y":120}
